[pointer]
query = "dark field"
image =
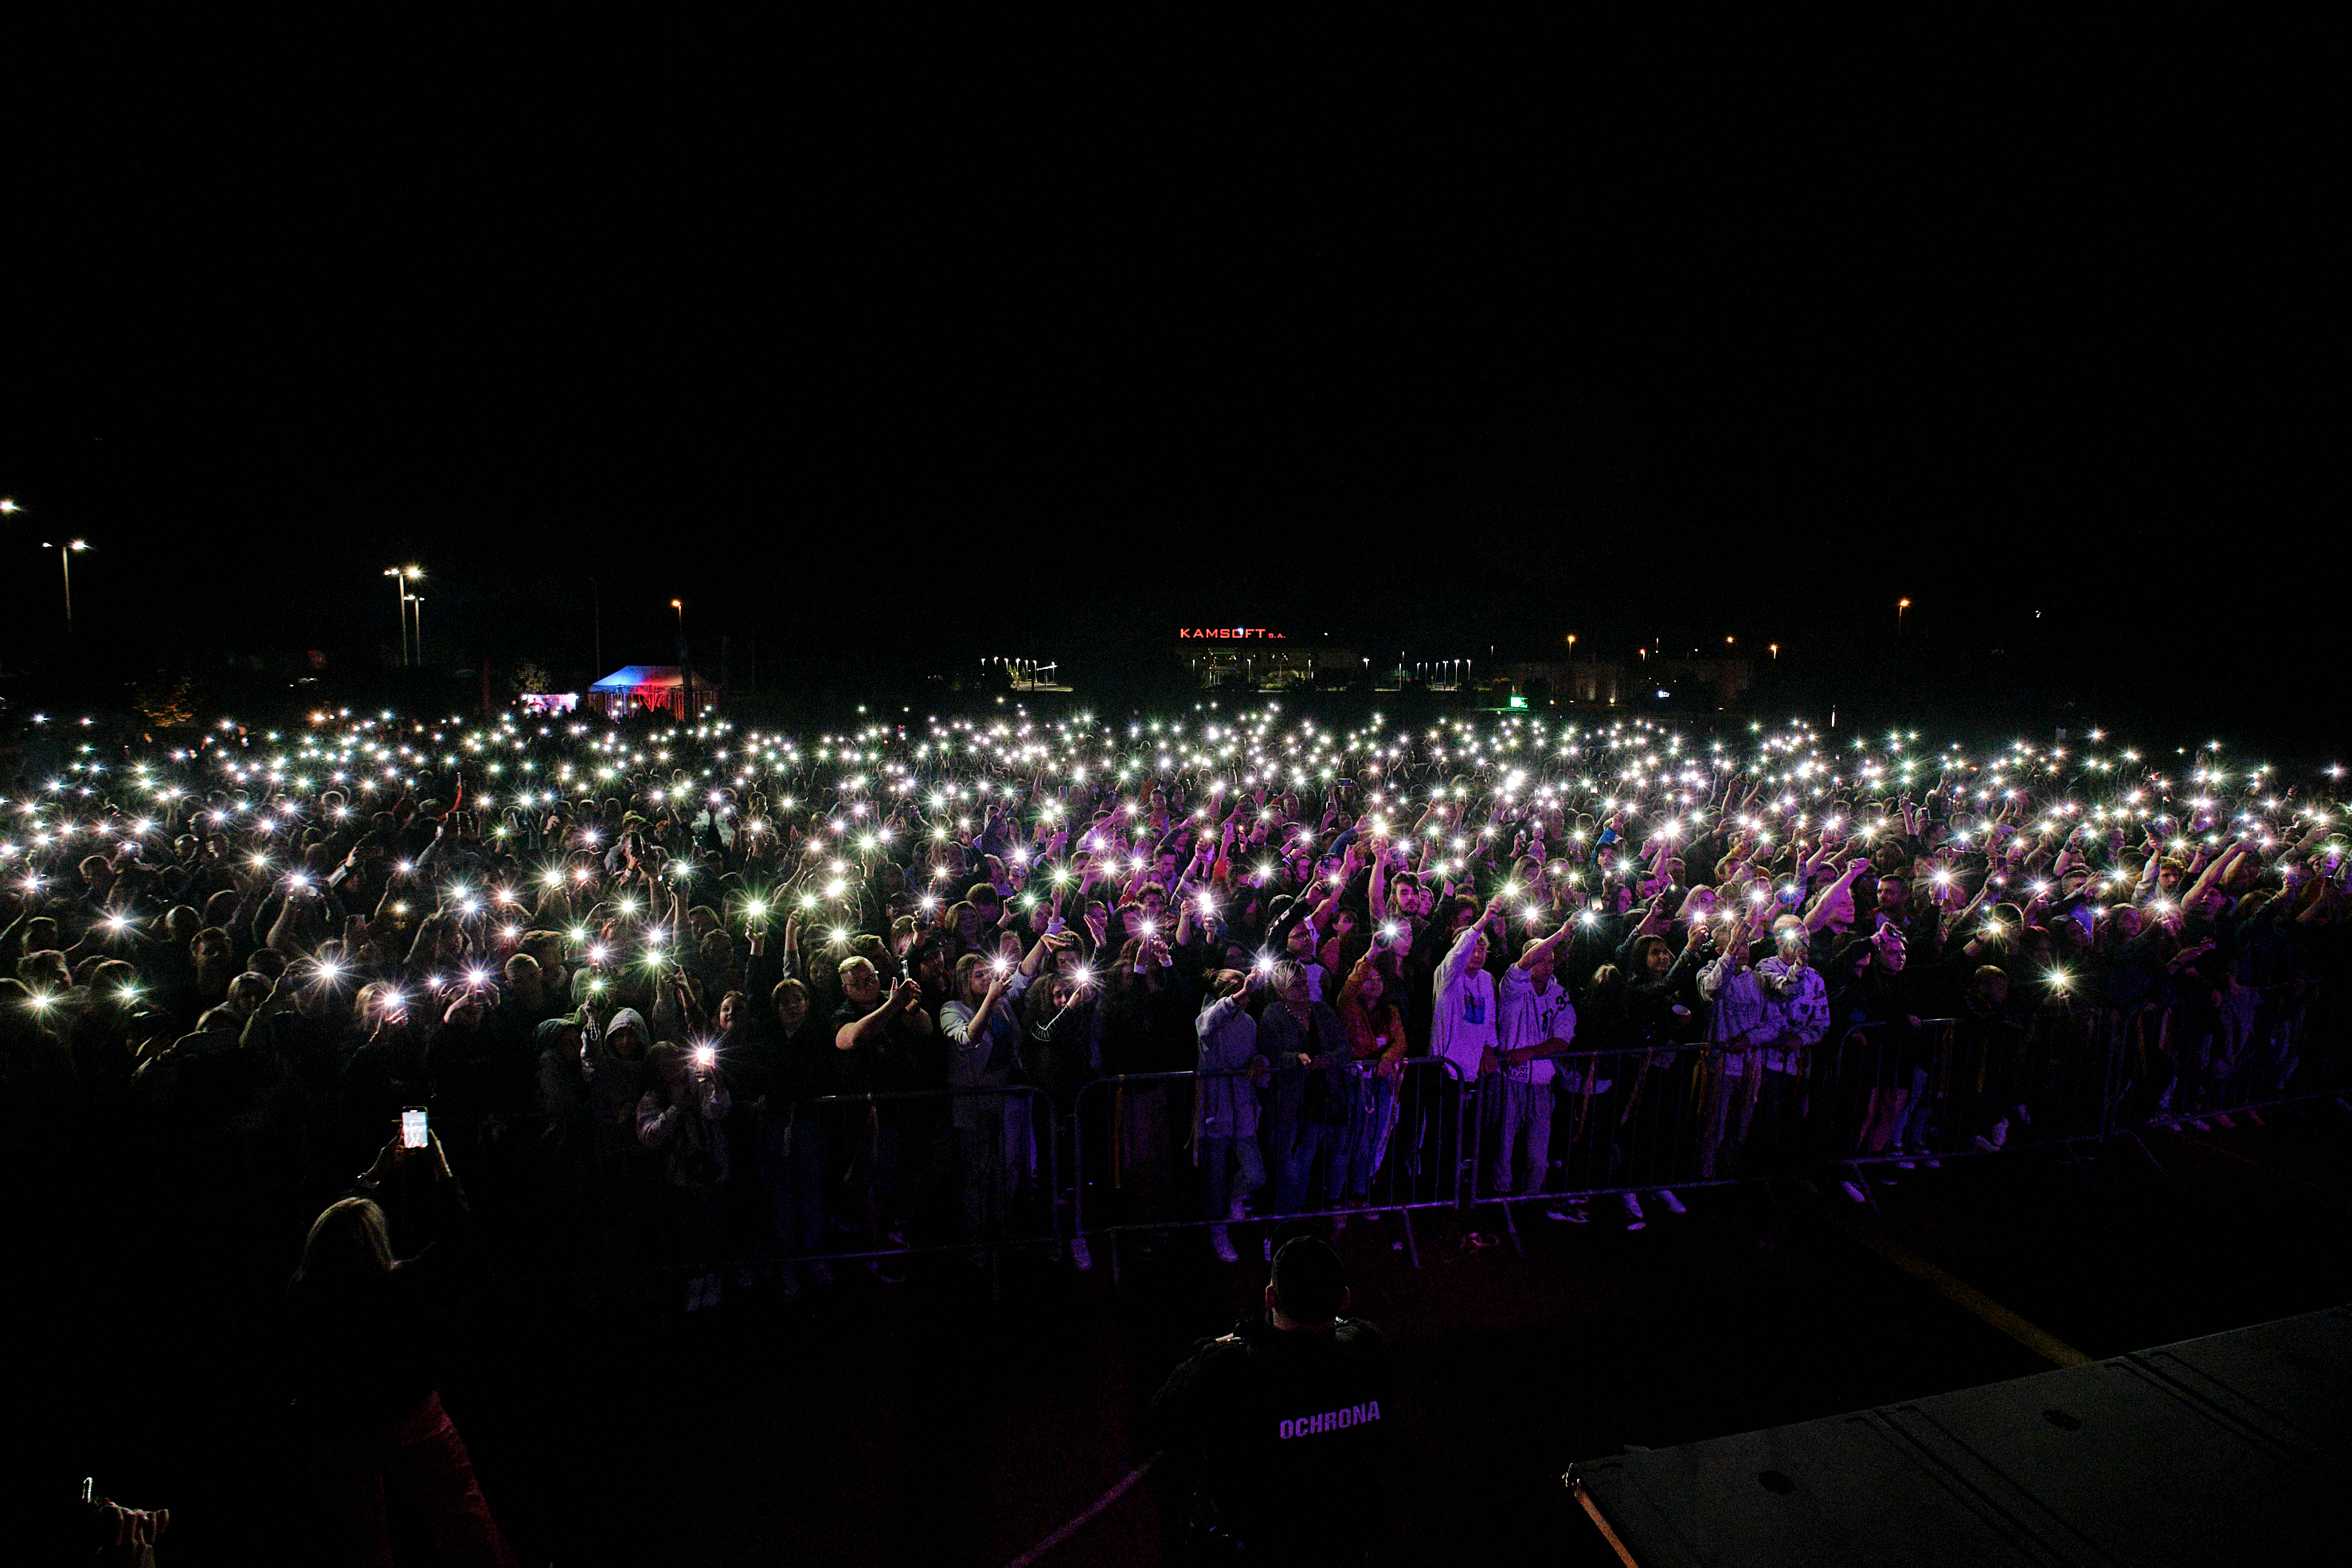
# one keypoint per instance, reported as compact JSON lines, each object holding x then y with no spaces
{"x":943,"y":1421}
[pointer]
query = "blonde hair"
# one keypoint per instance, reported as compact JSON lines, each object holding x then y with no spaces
{"x":347,"y":1242}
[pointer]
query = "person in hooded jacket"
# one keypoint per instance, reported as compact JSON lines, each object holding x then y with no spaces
{"x":613,"y":1068}
{"x":614,"y":1071}
{"x":1225,"y":1109}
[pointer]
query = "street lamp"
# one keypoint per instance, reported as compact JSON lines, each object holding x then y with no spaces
{"x":65,"y":553}
{"x":402,"y":589}
{"x":417,"y":602}
{"x":401,"y":576}
{"x":8,"y":509}
{"x":1900,"y":606}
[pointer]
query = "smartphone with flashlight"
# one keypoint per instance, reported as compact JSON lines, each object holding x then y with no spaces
{"x":412,"y":1133}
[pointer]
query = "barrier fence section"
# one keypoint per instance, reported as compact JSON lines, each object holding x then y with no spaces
{"x":829,"y":1179}
{"x":874,"y":1176}
{"x":2248,"y":1049}
{"x":1624,"y":1121}
{"x":1950,"y":1087}
{"x":870,"y":1178}
{"x":1169,"y":1151}
{"x":953,"y":1170}
{"x":1651,"y":1119}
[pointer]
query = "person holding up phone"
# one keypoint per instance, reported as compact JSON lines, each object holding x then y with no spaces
{"x":366,"y":1365}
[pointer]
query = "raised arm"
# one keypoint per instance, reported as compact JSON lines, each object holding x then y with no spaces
{"x":869,"y":1028}
{"x":2214,"y":873}
{"x":1456,"y":962}
{"x":1535,"y":955}
{"x":1323,"y":910}
{"x":1820,"y":917}
{"x":978,"y":1028}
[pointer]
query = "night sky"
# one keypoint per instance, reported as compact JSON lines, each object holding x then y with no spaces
{"x":884,"y":404}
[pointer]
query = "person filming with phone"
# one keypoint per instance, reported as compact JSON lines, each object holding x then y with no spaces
{"x":365,"y":1341}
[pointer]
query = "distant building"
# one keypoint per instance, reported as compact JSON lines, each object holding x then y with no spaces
{"x":1261,"y":658}
{"x":1597,"y":682}
{"x":1592,"y":683}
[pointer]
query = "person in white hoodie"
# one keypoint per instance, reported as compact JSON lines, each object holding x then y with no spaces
{"x":1462,"y":1029}
{"x":1801,"y":1007}
{"x":1536,"y":1024}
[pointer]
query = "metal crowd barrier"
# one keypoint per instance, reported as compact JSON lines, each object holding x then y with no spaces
{"x":2253,"y":1048}
{"x":980,"y":1171}
{"x":1148,"y":1157}
{"x":2236,"y":1053}
{"x":968,"y":1168}
{"x":1641,"y":1120}
{"x":1625,"y":1121}
{"x":1952,"y":1087}
{"x":831,"y":1179}
{"x":1644,"y":1120}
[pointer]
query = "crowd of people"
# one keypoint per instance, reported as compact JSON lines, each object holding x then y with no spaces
{"x":649,"y":1004}
{"x":739,"y":1006}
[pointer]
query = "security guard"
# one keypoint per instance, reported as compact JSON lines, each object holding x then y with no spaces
{"x":1285,"y":1422}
